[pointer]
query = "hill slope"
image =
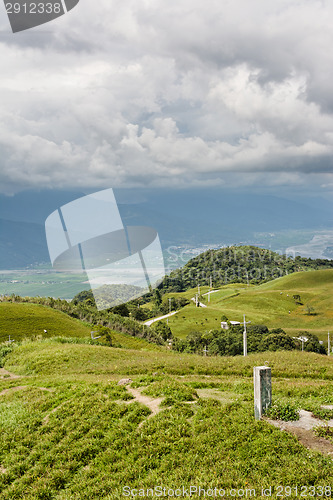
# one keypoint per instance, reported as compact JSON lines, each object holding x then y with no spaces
{"x":26,"y":321}
{"x":267,"y":304}
{"x":67,"y":430}
{"x":237,"y":264}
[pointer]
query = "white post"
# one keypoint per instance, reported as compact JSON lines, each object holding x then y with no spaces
{"x":245,"y":337}
{"x":169,"y":310}
{"x":262,"y":390}
{"x":329,"y":345}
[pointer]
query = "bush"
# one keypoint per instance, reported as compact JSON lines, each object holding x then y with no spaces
{"x":5,"y":349}
{"x":277,"y":342}
{"x":283,"y":411}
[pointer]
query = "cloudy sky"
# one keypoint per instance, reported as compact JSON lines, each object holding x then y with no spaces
{"x":130,"y":93}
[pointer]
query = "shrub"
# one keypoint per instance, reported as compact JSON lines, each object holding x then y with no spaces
{"x":283,"y":411}
{"x":5,"y":349}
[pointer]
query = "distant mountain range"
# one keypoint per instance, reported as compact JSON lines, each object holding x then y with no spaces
{"x":187,"y":217}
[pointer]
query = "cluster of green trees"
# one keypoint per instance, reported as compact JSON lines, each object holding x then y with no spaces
{"x":237,"y":264}
{"x":259,"y":338}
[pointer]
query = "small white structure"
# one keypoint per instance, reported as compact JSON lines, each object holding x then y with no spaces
{"x":225,"y":326}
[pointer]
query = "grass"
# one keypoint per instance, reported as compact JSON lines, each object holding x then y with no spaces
{"x":267,"y":304}
{"x":26,"y":321}
{"x":70,"y":432}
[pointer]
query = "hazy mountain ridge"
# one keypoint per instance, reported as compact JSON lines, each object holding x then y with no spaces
{"x":192,"y":218}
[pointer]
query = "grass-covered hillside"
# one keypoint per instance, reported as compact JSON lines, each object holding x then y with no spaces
{"x":271,"y":304}
{"x":29,"y":321}
{"x":69,"y":432}
{"x":237,"y":264}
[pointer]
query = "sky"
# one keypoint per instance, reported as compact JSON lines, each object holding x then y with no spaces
{"x":177,"y":94}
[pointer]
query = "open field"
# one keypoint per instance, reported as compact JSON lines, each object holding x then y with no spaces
{"x":68,"y":431}
{"x":267,"y":304}
{"x":43,"y":283}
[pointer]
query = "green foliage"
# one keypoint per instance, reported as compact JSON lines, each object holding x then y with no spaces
{"x":29,"y":317}
{"x":163,"y":330}
{"x":172,"y":390}
{"x":310,"y":311}
{"x":5,"y":349}
{"x":277,"y":342}
{"x":325,"y":432}
{"x":122,"y":310}
{"x":237,"y":264}
{"x":312,"y":344}
{"x":79,"y":440}
{"x":283,"y":411}
{"x":85,"y":295}
{"x":104,"y":332}
{"x":230,"y":342}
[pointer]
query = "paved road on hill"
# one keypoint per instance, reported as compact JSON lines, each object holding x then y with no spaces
{"x":151,"y":321}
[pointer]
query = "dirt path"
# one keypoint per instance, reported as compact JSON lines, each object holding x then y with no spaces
{"x":303,"y":430}
{"x":4,"y":374}
{"x":153,"y":404}
{"x":20,"y":387}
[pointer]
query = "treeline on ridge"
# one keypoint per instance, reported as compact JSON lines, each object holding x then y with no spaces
{"x":237,"y":264}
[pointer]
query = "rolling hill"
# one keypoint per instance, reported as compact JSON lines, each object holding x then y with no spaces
{"x":271,"y":304}
{"x":28,"y":321}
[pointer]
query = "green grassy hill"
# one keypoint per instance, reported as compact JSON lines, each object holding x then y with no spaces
{"x":26,"y":321}
{"x":30,"y":320}
{"x":267,"y":304}
{"x":68,"y":431}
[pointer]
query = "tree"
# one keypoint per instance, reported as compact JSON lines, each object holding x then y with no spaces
{"x":277,"y":342}
{"x":163,"y":330}
{"x":310,"y":311}
{"x":83,"y":296}
{"x":312,"y":344}
{"x":139,"y":314}
{"x":104,"y":332}
{"x":157,"y":297}
{"x":122,"y":310}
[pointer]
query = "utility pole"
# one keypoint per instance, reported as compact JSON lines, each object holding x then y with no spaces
{"x":196,"y":300}
{"x":205,"y":351}
{"x":245,"y":337}
{"x":169,"y":310}
{"x":329,"y":345}
{"x":210,"y":289}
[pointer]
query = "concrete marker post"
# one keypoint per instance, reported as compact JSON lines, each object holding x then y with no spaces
{"x":262,"y":376}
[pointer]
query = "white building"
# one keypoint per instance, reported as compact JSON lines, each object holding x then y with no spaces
{"x":225,"y":326}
